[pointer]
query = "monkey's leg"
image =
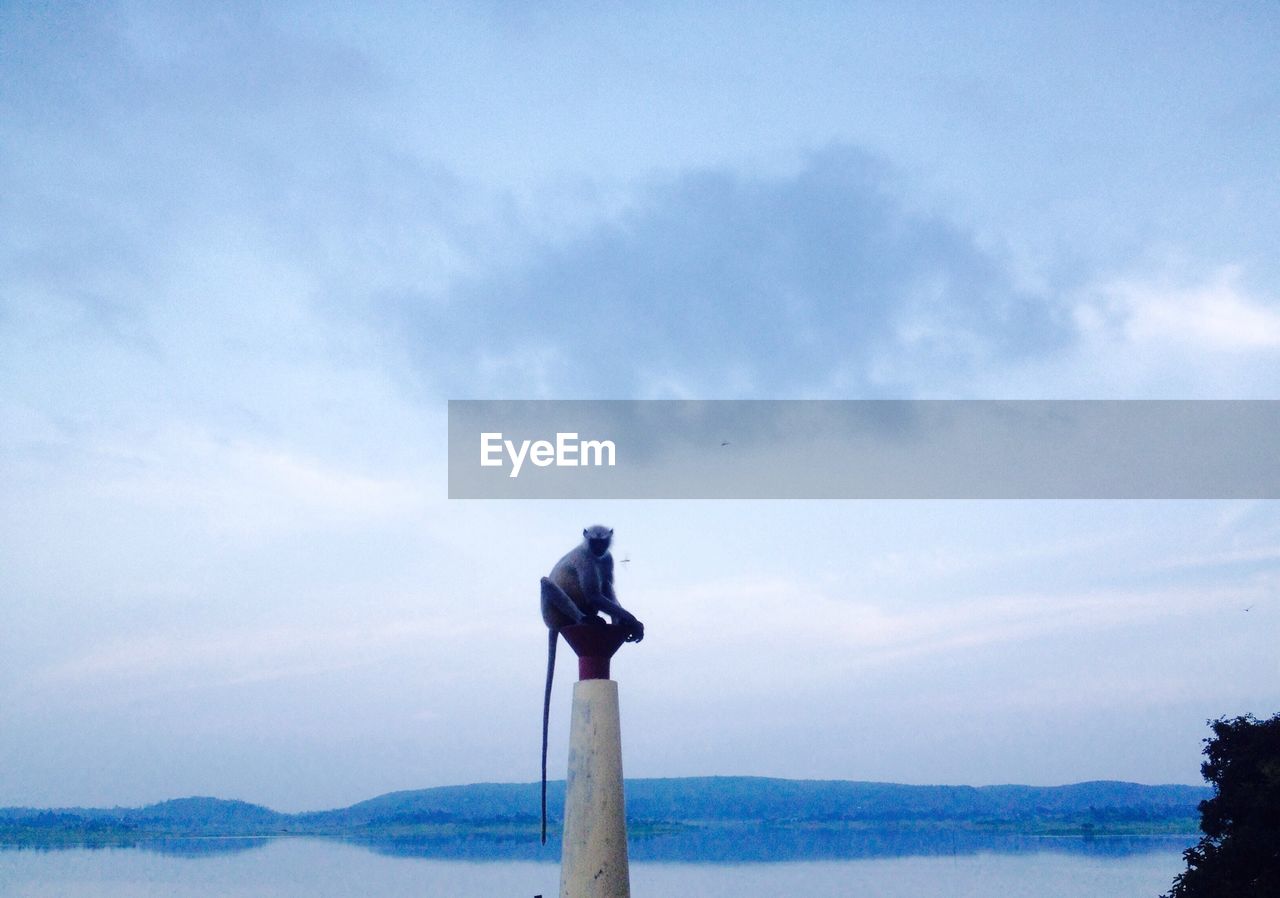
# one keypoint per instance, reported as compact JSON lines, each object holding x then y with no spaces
{"x":557,"y":608}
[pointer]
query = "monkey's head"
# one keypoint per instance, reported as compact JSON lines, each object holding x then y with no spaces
{"x":598,"y":539}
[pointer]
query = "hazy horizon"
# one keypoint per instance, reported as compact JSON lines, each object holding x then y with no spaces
{"x":251,"y":251}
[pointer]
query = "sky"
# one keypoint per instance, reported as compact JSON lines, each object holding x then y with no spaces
{"x":249,"y":251}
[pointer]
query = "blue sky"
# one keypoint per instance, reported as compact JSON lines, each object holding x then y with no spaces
{"x":248,"y":252}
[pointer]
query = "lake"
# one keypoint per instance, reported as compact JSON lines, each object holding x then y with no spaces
{"x":317,"y":868}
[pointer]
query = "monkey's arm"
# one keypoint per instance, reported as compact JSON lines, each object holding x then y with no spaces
{"x":615,"y":611}
{"x":606,"y":580}
{"x":607,"y":601}
{"x":620,"y":615}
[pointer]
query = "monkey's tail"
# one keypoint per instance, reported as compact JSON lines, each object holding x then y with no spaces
{"x":552,"y":636}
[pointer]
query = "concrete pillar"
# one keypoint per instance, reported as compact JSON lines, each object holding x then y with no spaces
{"x":594,"y":854}
{"x":593,"y":860}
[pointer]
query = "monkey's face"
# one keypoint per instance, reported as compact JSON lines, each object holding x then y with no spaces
{"x":598,"y":539}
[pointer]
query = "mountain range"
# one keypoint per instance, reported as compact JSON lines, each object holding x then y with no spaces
{"x":651,"y":803}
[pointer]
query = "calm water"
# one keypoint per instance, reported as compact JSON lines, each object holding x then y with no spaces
{"x":309,"y":868}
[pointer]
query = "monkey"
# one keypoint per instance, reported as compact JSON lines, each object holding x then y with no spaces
{"x":580,"y":586}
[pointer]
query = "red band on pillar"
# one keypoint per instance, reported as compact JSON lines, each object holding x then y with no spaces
{"x":594,"y":644}
{"x":593,"y":668}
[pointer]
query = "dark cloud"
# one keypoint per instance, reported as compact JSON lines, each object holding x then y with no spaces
{"x":724,"y":286}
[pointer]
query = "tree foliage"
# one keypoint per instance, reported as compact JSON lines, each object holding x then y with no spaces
{"x":1239,"y":854}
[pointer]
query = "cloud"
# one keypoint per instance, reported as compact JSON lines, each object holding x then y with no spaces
{"x":1172,"y":331}
{"x":164,"y":662}
{"x":838,"y":635}
{"x":819,"y":283}
{"x":241,"y":487}
{"x":1215,"y":315}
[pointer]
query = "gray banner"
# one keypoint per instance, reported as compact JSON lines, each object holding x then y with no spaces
{"x":874,"y":449}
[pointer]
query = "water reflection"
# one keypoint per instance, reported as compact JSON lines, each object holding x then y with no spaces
{"x":774,"y":844}
{"x":713,"y":844}
{"x":175,"y":846}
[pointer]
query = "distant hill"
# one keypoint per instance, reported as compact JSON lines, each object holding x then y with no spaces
{"x":685,"y":802}
{"x":474,"y":803}
{"x":203,"y":813}
{"x":762,"y":799}
{"x":207,"y":814}
{"x":179,"y":817}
